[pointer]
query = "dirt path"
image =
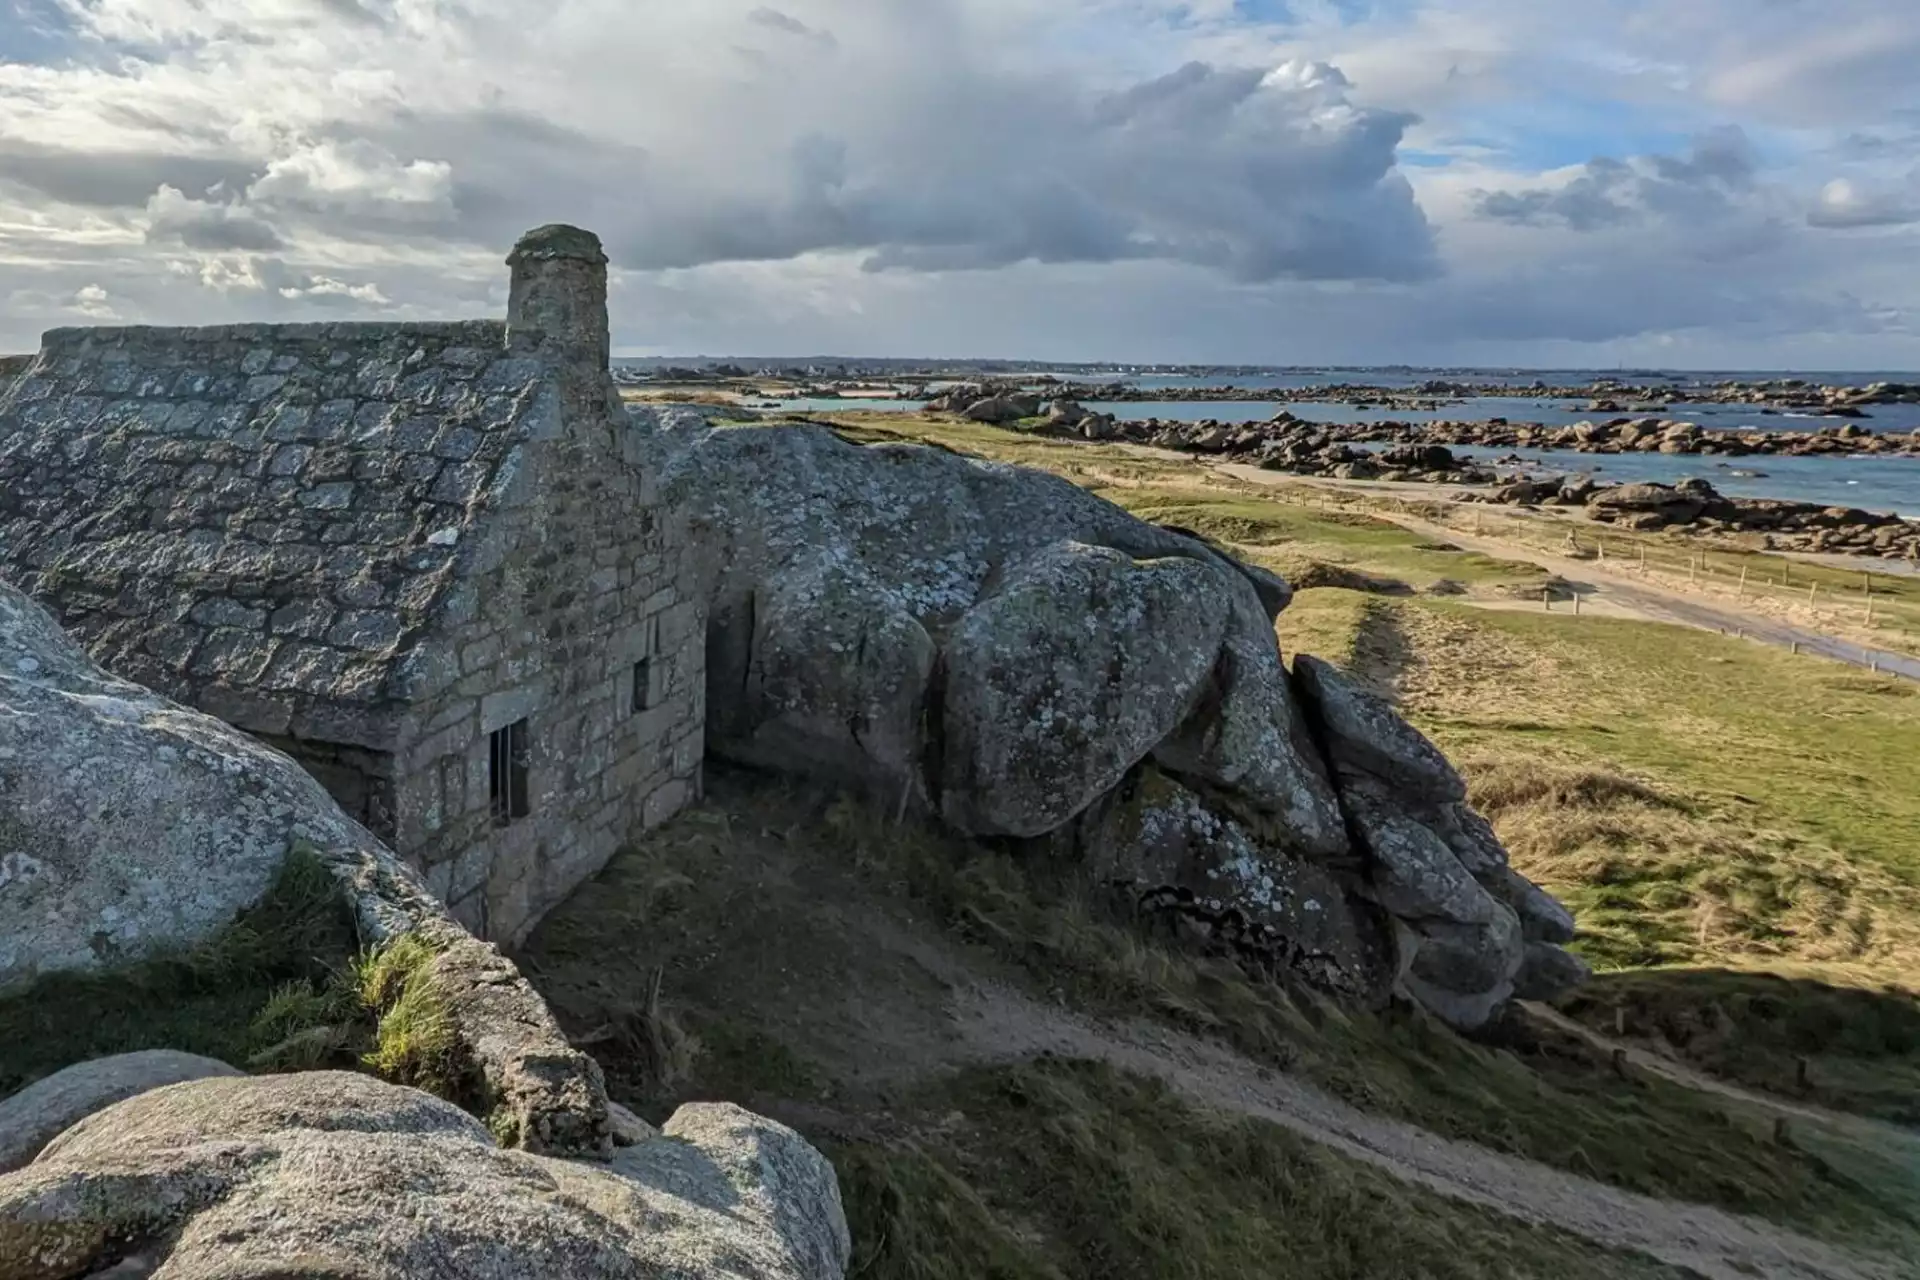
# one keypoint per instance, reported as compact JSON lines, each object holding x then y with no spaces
{"x":1686,"y":1076}
{"x":1001,"y":1025}
{"x":1625,"y":594}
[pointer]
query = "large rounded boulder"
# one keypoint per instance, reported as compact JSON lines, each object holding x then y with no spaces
{"x":339,"y":1175}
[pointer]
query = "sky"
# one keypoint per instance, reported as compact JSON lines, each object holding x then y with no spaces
{"x":1706,"y":184}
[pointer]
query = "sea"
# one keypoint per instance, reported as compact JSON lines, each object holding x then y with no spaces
{"x":1870,"y":483}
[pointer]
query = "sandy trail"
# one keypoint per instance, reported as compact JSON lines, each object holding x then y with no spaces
{"x":989,"y":1021}
{"x":998,"y":1024}
{"x":1623,"y":593}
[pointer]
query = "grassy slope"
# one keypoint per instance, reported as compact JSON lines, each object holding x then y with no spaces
{"x":1057,"y":1169}
{"x":1703,"y":802}
{"x":775,"y":918}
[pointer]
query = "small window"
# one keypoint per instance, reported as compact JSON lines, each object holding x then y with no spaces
{"x":507,"y":773}
{"x":643,"y":685}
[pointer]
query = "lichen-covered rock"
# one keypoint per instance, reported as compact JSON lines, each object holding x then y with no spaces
{"x":538,"y":1092}
{"x":1364,"y":734}
{"x":1473,"y":931}
{"x":1004,"y":650}
{"x":848,"y":545}
{"x":329,"y":1174}
{"x":1178,"y":855}
{"x":1470,"y":957}
{"x":1549,"y":972}
{"x":129,"y":823}
{"x":1078,"y":666}
{"x":825,"y":675}
{"x":46,"y":1108}
{"x":1414,"y":874}
{"x":1542,"y":917}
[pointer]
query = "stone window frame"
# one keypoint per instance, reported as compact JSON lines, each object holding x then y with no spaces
{"x":642,"y":684}
{"x":642,"y":698}
{"x":509,"y":772}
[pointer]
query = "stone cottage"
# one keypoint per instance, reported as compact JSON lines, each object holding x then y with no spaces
{"x":422,"y":559}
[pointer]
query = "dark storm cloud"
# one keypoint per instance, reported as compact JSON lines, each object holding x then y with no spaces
{"x":211,"y":226}
{"x":1711,"y":177}
{"x":1218,"y":168}
{"x":112,"y":179}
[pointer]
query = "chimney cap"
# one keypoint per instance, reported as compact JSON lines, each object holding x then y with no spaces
{"x":557,"y":240}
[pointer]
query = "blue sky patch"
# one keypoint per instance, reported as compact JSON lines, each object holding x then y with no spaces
{"x":34,"y":31}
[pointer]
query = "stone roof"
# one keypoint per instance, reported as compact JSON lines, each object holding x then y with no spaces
{"x":260,"y":520}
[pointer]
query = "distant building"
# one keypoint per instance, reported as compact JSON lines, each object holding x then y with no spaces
{"x":419,"y":558}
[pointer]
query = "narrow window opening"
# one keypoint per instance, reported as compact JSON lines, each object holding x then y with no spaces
{"x":643,"y":685}
{"x":507,"y":773}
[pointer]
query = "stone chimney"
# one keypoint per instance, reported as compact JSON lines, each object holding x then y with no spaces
{"x":557,"y":306}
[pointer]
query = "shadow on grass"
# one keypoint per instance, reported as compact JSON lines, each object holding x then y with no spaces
{"x":1844,"y":1048}
{"x":201,"y":999}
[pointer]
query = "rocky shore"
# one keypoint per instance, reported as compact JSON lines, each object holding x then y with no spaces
{"x":1603,"y":396}
{"x":1419,"y":453}
{"x":1694,"y":505}
{"x":1296,"y":439}
{"x":1415,"y":451}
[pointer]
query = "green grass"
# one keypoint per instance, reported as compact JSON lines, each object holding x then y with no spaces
{"x":415,"y":1041}
{"x":1802,"y":745}
{"x":1060,"y":1170}
{"x":1698,"y":800}
{"x":1297,"y":539}
{"x":203,"y":999}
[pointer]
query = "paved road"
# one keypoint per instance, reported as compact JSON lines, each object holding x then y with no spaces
{"x":1650,"y":600}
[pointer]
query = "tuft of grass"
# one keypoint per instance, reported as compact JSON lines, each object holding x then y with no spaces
{"x":1058,"y":1170}
{"x":202,"y":999}
{"x":416,"y":1041}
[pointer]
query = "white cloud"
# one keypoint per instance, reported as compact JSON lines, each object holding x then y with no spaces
{"x":1844,"y":203}
{"x":358,"y":179}
{"x":91,"y":301}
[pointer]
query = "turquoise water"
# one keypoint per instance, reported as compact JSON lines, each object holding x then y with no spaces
{"x":1552,"y":413}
